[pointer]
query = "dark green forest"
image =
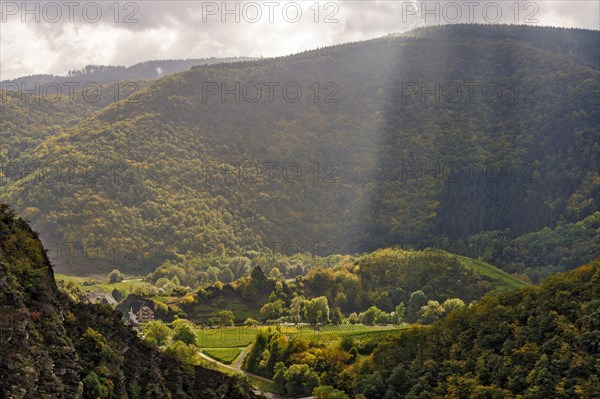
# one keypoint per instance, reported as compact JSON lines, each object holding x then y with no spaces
{"x":365,"y":159}
{"x":536,"y":342}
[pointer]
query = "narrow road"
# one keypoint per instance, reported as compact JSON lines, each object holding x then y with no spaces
{"x":238,"y":364}
{"x":234,"y":368}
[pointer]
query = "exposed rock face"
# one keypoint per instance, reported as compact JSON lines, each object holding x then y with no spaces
{"x":51,"y":347}
{"x":2,"y":275}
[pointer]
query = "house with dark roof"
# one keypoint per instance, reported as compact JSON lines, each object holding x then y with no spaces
{"x":136,"y":310}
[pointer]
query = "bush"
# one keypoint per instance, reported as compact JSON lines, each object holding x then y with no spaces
{"x":328,"y":392}
{"x":347,"y":343}
{"x":300,"y":380}
{"x":184,"y":333}
{"x":115,"y":277}
{"x":226,"y":318}
{"x":251,"y":322}
{"x":93,"y":388}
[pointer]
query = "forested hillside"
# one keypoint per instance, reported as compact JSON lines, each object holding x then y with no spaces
{"x":578,"y":44}
{"x":540,"y":253}
{"x":364,"y":159}
{"x":51,"y":347}
{"x":28,"y":118}
{"x":537,"y":342}
{"x":384,"y":279}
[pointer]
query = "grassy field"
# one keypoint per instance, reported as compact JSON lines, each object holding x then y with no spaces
{"x":503,"y":280}
{"x":224,"y":355}
{"x":127,"y":286}
{"x":263,"y":385}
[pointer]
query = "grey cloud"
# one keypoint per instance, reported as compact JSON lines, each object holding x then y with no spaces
{"x":175,"y":29}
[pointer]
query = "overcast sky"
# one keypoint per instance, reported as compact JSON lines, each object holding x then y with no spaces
{"x":55,"y":37}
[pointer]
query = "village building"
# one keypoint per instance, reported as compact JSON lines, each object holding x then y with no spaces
{"x":136,"y":310}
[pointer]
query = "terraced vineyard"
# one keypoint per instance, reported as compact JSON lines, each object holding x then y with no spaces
{"x":331,"y":333}
{"x":221,"y":341}
{"x":230,"y":337}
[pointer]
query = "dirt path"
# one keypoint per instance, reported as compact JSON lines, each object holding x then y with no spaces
{"x":234,"y":368}
{"x":238,"y":364}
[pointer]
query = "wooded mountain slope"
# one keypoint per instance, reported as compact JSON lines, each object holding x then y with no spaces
{"x":536,"y":342}
{"x":51,"y":347}
{"x":365,"y":164}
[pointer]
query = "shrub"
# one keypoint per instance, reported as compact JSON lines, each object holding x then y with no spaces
{"x":115,"y":277}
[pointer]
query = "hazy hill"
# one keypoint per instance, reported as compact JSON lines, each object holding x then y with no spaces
{"x":543,"y":252}
{"x":581,"y":45}
{"x":102,"y":74}
{"x":52,"y":347}
{"x":365,"y":164}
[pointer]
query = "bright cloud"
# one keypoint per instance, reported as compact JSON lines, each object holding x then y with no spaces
{"x":147,"y":30}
